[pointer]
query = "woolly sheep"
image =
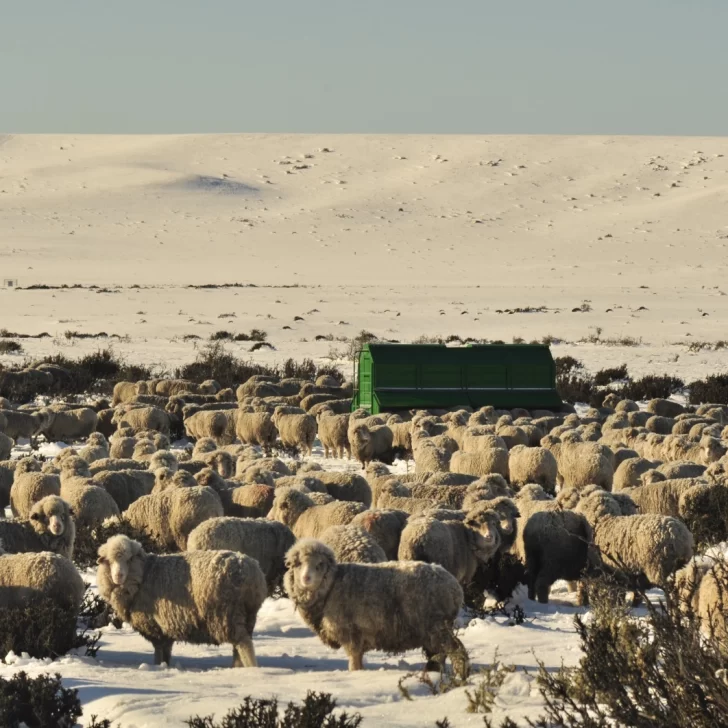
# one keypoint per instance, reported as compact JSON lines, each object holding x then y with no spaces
{"x":255,"y":428}
{"x":8,"y":471}
{"x":583,"y":463}
{"x":25,"y":577}
{"x":701,"y":586}
{"x":125,"y":486}
{"x":203,"y":597}
{"x":429,"y":457}
{"x":629,"y":473}
{"x":532,"y":465}
{"x":116,"y":464}
{"x":143,"y":418}
{"x":265,"y":541}
{"x":50,"y":527}
{"x":169,"y":516}
{"x":332,"y":432}
{"x":651,"y":546}
{"x":361,"y":607}
{"x":91,"y":504}
{"x":370,"y":441}
{"x":29,"y":488}
{"x":70,"y":425}
{"x":306,"y":519}
{"x":665,"y":407}
{"x":124,"y":392}
{"x":97,"y":448}
{"x":346,"y":486}
{"x":24,"y":424}
{"x":353,"y":544}
{"x":681,"y":469}
{"x":219,"y":425}
{"x":662,"y":497}
{"x":295,"y":431}
{"x":457,"y":546}
{"x":385,"y":526}
{"x":493,"y":460}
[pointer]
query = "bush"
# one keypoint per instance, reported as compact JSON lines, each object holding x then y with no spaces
{"x":657,"y":671}
{"x":88,"y":540}
{"x":330,"y":371}
{"x":10,"y":347}
{"x":299,"y":370}
{"x":40,"y":702}
{"x":215,"y":362}
{"x":315,"y":712}
{"x":713,"y":390}
{"x":606,"y":376}
{"x":651,"y":387}
{"x":566,"y":365}
{"x":575,"y":388}
{"x":42,"y":629}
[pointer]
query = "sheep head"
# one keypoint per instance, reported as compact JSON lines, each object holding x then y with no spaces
{"x":310,"y":565}
{"x":484,"y":526}
{"x":116,"y":561}
{"x":51,"y":515}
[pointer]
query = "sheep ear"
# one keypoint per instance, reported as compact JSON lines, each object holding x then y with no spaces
{"x":35,"y":516}
{"x":101,"y":560}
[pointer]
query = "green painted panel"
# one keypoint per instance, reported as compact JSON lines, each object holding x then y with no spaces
{"x":486,"y":375}
{"x":396,"y":375}
{"x":441,"y":375}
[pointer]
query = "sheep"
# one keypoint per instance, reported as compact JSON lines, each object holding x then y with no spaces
{"x":97,"y":448}
{"x":346,"y":486}
{"x":169,"y":516}
{"x":125,"y":486}
{"x":70,"y":425}
{"x":91,"y":505}
{"x":353,"y":544}
{"x":26,"y":577}
{"x":662,"y":497}
{"x":665,"y":408}
{"x":8,"y":471}
{"x":306,"y":519}
{"x":215,"y":424}
{"x":629,"y":473}
{"x":429,"y":457}
{"x":143,"y":418}
{"x":100,"y":466}
{"x":50,"y":527}
{"x":29,"y":488}
{"x":681,"y":469}
{"x":295,"y":431}
{"x":650,"y":546}
{"x":255,"y":428}
{"x":124,"y":392}
{"x":265,"y":541}
{"x":491,"y":460}
{"x":701,"y":587}
{"x":385,"y":526}
{"x":457,"y":546}
{"x":361,"y":607}
{"x":332,"y":432}
{"x":203,"y":597}
{"x":557,"y":545}
{"x":163,"y":459}
{"x":370,"y":441}
{"x":24,"y":424}
{"x":584,"y":463}
{"x":532,"y":465}
{"x":165,"y":478}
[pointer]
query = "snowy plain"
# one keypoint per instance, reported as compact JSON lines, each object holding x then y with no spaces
{"x":617,"y":248}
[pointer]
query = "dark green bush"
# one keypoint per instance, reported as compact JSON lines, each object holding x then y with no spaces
{"x":10,"y":347}
{"x":43,"y":628}
{"x":713,"y":390}
{"x":315,"y":712}
{"x":566,"y":365}
{"x":652,"y":386}
{"x":88,"y":540}
{"x":606,"y":376}
{"x":40,"y":702}
{"x":578,"y":387}
{"x":216,"y":362}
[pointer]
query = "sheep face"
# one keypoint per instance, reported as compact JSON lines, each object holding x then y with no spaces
{"x":52,"y":514}
{"x":485,"y":526}
{"x":116,"y":557}
{"x":310,"y":567}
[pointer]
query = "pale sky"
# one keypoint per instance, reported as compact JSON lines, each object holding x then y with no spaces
{"x":423,"y":66}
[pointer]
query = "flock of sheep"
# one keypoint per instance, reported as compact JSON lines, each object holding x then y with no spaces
{"x":372,"y":561}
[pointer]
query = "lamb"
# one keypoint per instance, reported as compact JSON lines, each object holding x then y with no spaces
{"x":457,"y":546}
{"x":50,"y":527}
{"x":491,"y":460}
{"x":143,"y":418}
{"x":70,"y":425}
{"x":414,"y":605}
{"x":203,"y":597}
{"x":26,"y":577}
{"x":29,"y":488}
{"x":557,"y":545}
{"x":652,"y":547}
{"x":306,"y":519}
{"x":332,"y":431}
{"x":265,"y":541}
{"x":385,"y":526}
{"x":295,"y":431}
{"x":353,"y":545}
{"x":168,"y":517}
{"x":255,"y":428}
{"x":532,"y":465}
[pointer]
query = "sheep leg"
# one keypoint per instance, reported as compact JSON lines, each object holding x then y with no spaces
{"x":572,"y":586}
{"x":162,"y":651}
{"x":356,"y":658}
{"x":244,"y":653}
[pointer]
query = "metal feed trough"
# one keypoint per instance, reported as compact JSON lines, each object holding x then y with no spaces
{"x":421,"y":376}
